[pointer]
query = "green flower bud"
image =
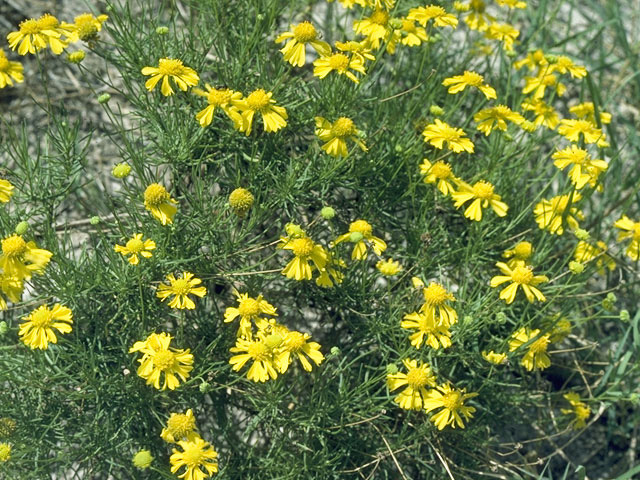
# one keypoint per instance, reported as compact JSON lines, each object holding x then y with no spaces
{"x":501,"y":318}
{"x":104,"y":98}
{"x":204,"y":387}
{"x":436,"y":110}
{"x":162,"y":30}
{"x":549,"y":57}
{"x":582,"y":234}
{"x":335,"y":351}
{"x":576,"y":267}
{"x":624,"y":315}
{"x":76,"y":57}
{"x":327,"y":213}
{"x":95,"y":220}
{"x":142,"y":459}
{"x":392,"y":369}
{"x":22,"y":228}
{"x":121,"y":170}
{"x":3,"y":328}
{"x":355,"y":237}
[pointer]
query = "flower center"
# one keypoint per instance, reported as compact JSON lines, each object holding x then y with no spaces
{"x":295,"y":341}
{"x":135,"y":245}
{"x":14,"y":246}
{"x":249,"y":307}
{"x":258,"y":351}
{"x":304,"y":32}
{"x":473,"y":78}
{"x":523,"y":250}
{"x":483,"y":190}
{"x":435,"y":294}
{"x":522,"y":275}
{"x":302,"y":247}
{"x":549,"y":80}
{"x":409,"y":26}
{"x":48,"y":22}
{"x":441,"y":170}
{"x":180,"y":425}
{"x":343,"y":127}
{"x":164,"y":360}
{"x":417,"y":377}
{"x":192,"y":455}
{"x":379,"y":17}
{"x":258,"y":100}
{"x":41,"y":318}
{"x":181,"y":286}
{"x":29,"y":27}
{"x":219,"y":97}
{"x":452,"y":400}
{"x":361,"y":226}
{"x":540,"y":345}
{"x":339,"y":61}
{"x":155,"y":195}
{"x":170,"y":66}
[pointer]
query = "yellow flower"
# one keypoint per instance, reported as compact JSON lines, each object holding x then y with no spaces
{"x":158,"y":201}
{"x":458,"y":83}
{"x":417,"y":378}
{"x":504,"y":33}
{"x":578,"y":409}
{"x":536,"y":357}
{"x":573,"y":129}
{"x":86,"y":27}
{"x":564,"y":64}
{"x":439,"y":132}
{"x":180,"y":426}
{"x":299,"y":36}
{"x":586,"y":252}
{"x":181,"y":288}
{"x":545,"y":114}
{"x":496,"y":117}
{"x":388,"y":267}
{"x":375,"y":27}
{"x":158,"y":358}
{"x":360,"y":233}
{"x":426,"y":325}
{"x":6,"y":189}
{"x":433,"y":12}
{"x":331,"y":271}
{"x":478,"y":18}
{"x":439,"y":172}
{"x":630,"y":229}
{"x":519,"y":255}
{"x":274,"y":117}
{"x":170,"y":68}
{"x":9,"y":72}
{"x":298,"y":345}
{"x":20,"y":259}
{"x":248,"y":309}
{"x":341,"y":64}
{"x":534,"y":60}
{"x":5,"y":451}
{"x":12,"y":288}
{"x":195,"y":456}
{"x":256,"y":349}
{"x":512,"y":3}
{"x":240,"y":201}
{"x":585,"y":169}
{"x":412,"y":35}
{"x":483,"y":196}
{"x":34,"y":35}
{"x":538,"y":84}
{"x":358,"y":49}
{"x":136,"y":246}
{"x":586,"y":111}
{"x":336,"y":135}
{"x":452,"y":403}
{"x":495,"y":358}
{"x":304,"y":250}
{"x":221,"y":98}
{"x":520,"y":276}
{"x":435,"y":298}
{"x":37,"y":329}
{"x":550,"y":214}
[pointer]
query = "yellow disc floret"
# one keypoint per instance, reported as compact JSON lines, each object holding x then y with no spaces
{"x":483,"y":190}
{"x":302,"y":247}
{"x":522,"y":275}
{"x":338,"y":61}
{"x":343,"y":127}
{"x":258,"y":100}
{"x":156,"y":195}
{"x":304,"y":32}
{"x":14,"y":246}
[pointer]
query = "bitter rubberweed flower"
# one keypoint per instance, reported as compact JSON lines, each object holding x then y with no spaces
{"x":496,"y":117}
{"x":458,"y":83}
{"x":585,"y":169}
{"x":331,"y":273}
{"x":538,"y":84}
{"x":221,"y":98}
{"x":483,"y":195}
{"x":579,"y":410}
{"x":336,"y":135}
{"x":240,"y":201}
{"x":341,"y":64}
{"x":36,"y":331}
{"x":180,"y":426}
{"x":417,"y":379}
{"x":519,"y":255}
{"x":572,"y":130}
{"x":256,"y":349}
{"x":34,"y":35}
{"x":520,"y":276}
{"x":437,"y":334}
{"x":512,"y":4}
{"x":452,"y":403}
{"x":586,"y":252}
{"x":158,"y":201}
{"x":495,"y":358}
{"x":9,"y":72}
{"x":360,"y":233}
{"x":5,"y":452}
{"x":305,"y":251}
{"x":85,"y":27}
{"x":440,"y":132}
{"x":160,"y":358}
{"x":375,"y":27}
{"x":294,"y":51}
{"x":412,"y":35}
{"x":478,"y":17}
{"x":297,"y":345}
{"x":198,"y":457}
{"x":249,"y":309}
{"x":440,"y":174}
{"x":630,"y":229}
{"x":564,"y":64}
{"x":440,"y":17}
{"x":545,"y":114}
{"x":536,"y":357}
{"x":435,"y":298}
{"x":503,"y":32}
{"x":12,"y":288}
{"x":6,"y":190}
{"x":170,"y":68}
{"x":136,"y":246}
{"x":358,"y":49}
{"x":20,"y":259}
{"x":181,"y":288}
{"x":586,"y":111}
{"x":274,"y":117}
{"x":389,"y":267}
{"x":552,"y":214}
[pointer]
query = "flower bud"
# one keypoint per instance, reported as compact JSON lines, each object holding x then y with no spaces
{"x":240,"y":201}
{"x":576,"y":267}
{"x":104,"y":98}
{"x":76,"y":57}
{"x":327,"y":213}
{"x":392,"y":369}
{"x":142,"y":459}
{"x":355,"y":237}
{"x":436,"y":110}
{"x":162,"y":30}
{"x":121,"y":170}
{"x":21,"y":228}
{"x":624,"y":315}
{"x":95,"y":220}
